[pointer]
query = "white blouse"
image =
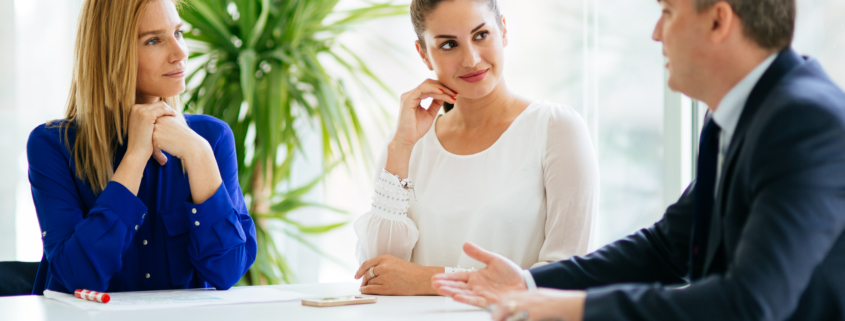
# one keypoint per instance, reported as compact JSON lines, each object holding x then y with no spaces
{"x":532,"y":196}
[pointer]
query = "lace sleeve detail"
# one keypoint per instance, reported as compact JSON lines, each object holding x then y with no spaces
{"x":386,"y":228}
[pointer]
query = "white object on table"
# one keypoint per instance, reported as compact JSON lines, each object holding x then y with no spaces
{"x":143,"y":300}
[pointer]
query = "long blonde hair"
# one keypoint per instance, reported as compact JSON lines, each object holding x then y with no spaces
{"x":102,"y":91}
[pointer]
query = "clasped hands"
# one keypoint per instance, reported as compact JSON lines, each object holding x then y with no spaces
{"x":156,"y":127}
{"x":501,"y":288}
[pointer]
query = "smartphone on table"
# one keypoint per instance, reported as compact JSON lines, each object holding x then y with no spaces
{"x":338,"y":301}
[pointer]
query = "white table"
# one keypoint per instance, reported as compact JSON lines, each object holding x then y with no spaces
{"x":34,"y":308}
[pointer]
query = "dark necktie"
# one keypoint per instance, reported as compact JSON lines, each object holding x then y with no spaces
{"x":705,"y":187}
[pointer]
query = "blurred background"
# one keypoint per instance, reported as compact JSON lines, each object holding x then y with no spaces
{"x":596,"y":56}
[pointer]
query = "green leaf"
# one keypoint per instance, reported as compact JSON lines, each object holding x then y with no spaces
{"x":315,"y":229}
{"x":258,"y":28}
{"x":364,"y":14}
{"x":279,"y":210}
{"x":202,"y":17}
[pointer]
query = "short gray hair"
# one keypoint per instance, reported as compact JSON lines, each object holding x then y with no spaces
{"x":769,"y":23}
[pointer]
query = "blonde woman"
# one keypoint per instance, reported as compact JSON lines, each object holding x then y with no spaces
{"x":117,"y":213}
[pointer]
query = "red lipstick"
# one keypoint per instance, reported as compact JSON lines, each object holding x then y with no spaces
{"x":475,"y":76}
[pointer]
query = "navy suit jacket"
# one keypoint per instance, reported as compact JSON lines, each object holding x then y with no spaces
{"x":776,"y":246}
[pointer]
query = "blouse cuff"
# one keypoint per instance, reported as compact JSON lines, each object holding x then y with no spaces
{"x":391,"y":199}
{"x":458,"y":269}
{"x":214,"y":209}
{"x":124,"y":204}
{"x":529,"y":280}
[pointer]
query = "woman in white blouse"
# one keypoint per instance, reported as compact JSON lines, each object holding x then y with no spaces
{"x":517,"y":177}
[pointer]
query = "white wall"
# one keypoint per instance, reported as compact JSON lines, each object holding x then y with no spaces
{"x":8,"y":139}
{"x":40,"y":34}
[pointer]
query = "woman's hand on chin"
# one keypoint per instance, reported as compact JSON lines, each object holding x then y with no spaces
{"x":414,"y":120}
{"x":394,"y":276}
{"x":173,"y":135}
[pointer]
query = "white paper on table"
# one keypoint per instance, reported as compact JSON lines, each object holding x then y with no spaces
{"x":141,"y":300}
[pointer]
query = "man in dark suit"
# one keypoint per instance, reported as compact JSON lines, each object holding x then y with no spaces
{"x":758,"y":235}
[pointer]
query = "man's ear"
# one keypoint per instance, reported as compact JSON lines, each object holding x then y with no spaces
{"x":723,"y":21}
{"x":504,"y":32}
{"x":423,"y":55}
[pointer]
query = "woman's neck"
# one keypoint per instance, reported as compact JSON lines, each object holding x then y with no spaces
{"x":474,"y":113}
{"x":146,"y":99}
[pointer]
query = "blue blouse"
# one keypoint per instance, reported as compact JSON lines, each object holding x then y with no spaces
{"x":116,"y":241}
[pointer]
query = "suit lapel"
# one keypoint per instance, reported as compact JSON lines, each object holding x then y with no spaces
{"x":785,"y":61}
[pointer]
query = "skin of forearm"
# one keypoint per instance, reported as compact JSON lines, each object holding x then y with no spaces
{"x":203,"y":174}
{"x":398,"y":159}
{"x":430,"y":271}
{"x":130,"y":172}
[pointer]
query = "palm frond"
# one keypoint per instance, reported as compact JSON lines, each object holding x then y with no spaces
{"x":261,"y":72}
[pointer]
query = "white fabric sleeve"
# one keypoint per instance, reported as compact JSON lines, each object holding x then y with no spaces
{"x":571,"y":175}
{"x":458,"y":269}
{"x":529,"y":280}
{"x":386,"y":229}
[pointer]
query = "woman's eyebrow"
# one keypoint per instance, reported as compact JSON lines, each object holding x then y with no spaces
{"x":476,"y":28}
{"x":156,"y":32}
{"x":453,"y":37}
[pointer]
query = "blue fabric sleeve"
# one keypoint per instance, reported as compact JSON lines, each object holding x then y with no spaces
{"x":223,"y":242}
{"x":84,"y":249}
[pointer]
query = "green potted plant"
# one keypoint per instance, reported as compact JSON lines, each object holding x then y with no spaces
{"x":261,"y":71}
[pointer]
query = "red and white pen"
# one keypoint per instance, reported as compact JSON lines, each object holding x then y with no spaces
{"x":92,"y":296}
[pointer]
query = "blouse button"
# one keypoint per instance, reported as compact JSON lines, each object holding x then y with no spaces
{"x":136,"y":227}
{"x":145,"y":242}
{"x":143,"y":216}
{"x":147,"y":276}
{"x":197,"y":223}
{"x":43,"y":234}
{"x":194,"y":210}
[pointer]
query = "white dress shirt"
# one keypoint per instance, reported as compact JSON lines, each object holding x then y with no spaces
{"x":726,"y":116}
{"x":532,"y":197}
{"x":730,"y":109}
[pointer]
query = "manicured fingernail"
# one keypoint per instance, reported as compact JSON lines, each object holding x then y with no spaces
{"x":453,"y":98}
{"x":441,"y":90}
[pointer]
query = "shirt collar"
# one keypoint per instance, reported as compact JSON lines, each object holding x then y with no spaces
{"x":730,"y":108}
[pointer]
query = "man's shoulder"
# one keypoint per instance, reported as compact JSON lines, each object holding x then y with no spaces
{"x":803,"y":115}
{"x":808,"y":88}
{"x":804,"y":96}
